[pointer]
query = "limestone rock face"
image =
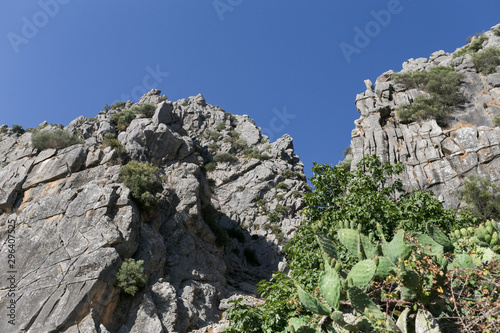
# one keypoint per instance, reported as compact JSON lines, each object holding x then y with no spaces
{"x":436,"y":158}
{"x":67,"y":222}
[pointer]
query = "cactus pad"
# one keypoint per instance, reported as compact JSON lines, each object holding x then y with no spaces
{"x":350,"y":239}
{"x":361,"y":301}
{"x":312,"y":303}
{"x":431,"y":247}
{"x":326,"y":243}
{"x":362,"y":273}
{"x":329,"y":285}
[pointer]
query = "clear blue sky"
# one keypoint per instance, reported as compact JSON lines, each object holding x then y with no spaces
{"x":269,"y":59}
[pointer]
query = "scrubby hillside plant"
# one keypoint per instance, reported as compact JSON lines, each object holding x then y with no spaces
{"x":17,"y":129}
{"x":487,"y":60}
{"x":473,"y":47}
{"x":225,"y":158}
{"x":131,"y":276}
{"x":124,"y":118}
{"x":443,"y":86}
{"x":482,"y":197}
{"x":143,"y":181}
{"x":496,"y":121}
{"x":110,"y":140}
{"x":57,"y":139}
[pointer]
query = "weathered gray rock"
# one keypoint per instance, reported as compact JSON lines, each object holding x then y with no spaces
{"x":76,"y":222}
{"x":435,"y":158}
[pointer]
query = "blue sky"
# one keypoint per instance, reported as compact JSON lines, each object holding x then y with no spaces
{"x":281,"y":62}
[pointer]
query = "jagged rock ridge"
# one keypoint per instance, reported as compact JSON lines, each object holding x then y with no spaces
{"x":436,"y":158}
{"x":75,"y":221}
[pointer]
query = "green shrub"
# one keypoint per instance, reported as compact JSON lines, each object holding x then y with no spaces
{"x":225,"y":157}
{"x":220,"y":126}
{"x":443,"y":85}
{"x":497,"y":31}
{"x":123,"y":119}
{"x":241,"y":188}
{"x":282,"y":210}
{"x":17,"y":129}
{"x":496,"y":121}
{"x":213,"y":135}
{"x":290,"y":174}
{"x":296,"y":194}
{"x":423,"y":108}
{"x":117,"y":105}
{"x":482,"y":197}
{"x":210,"y":166}
{"x":110,"y":141}
{"x":131,"y":276}
{"x":487,"y":60}
{"x":147,"y":110}
{"x":364,"y":197}
{"x":472,"y":47}
{"x":281,"y":186}
{"x":273,"y":217}
{"x":346,"y":164}
{"x":143,"y":180}
{"x":57,"y":139}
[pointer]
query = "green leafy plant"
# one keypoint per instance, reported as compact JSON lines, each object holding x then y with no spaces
{"x":254,"y":153}
{"x":473,"y":47}
{"x":393,"y":262}
{"x":282,"y":210}
{"x":281,"y":186}
{"x":143,"y":180}
{"x":487,"y":60}
{"x":57,"y":139}
{"x":273,"y":217}
{"x":124,"y":118}
{"x":213,"y":135}
{"x":220,"y":126}
{"x":131,"y":276}
{"x":17,"y":129}
{"x":117,"y":105}
{"x":443,"y":85}
{"x":225,"y":158}
{"x":210,"y":166}
{"x":110,"y":140}
{"x":496,"y":121}
{"x":482,"y":197}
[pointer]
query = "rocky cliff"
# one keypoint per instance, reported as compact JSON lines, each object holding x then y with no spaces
{"x":67,"y":222}
{"x":436,"y":158}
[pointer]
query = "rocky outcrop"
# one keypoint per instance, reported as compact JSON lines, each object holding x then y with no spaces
{"x":436,"y":158}
{"x":67,"y":222}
